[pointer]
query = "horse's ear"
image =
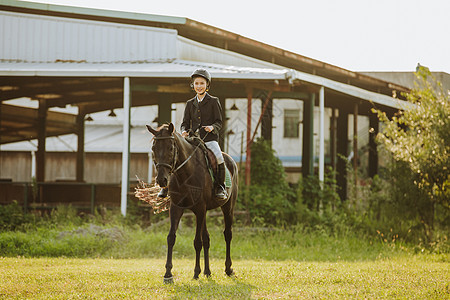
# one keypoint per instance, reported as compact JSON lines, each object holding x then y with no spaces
{"x":151,"y":130}
{"x":171,"y":128}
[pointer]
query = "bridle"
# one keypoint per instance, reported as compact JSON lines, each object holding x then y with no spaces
{"x":175,"y":155}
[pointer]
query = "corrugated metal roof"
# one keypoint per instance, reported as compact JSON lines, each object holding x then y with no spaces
{"x":348,"y":90}
{"x":37,"y":38}
{"x":53,"y":8}
{"x":168,"y":69}
{"x":214,"y":36}
{"x":183,"y":69}
{"x":195,"y":51}
{"x":39,"y":45}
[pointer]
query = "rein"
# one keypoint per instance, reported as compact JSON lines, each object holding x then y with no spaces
{"x":172,"y":167}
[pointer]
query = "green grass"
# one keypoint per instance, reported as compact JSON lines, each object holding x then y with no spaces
{"x":419,"y":277}
{"x":299,"y":244}
{"x":68,"y":258}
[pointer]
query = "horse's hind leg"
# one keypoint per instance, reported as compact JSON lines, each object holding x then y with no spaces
{"x":227,"y":233}
{"x":206,"y":243}
{"x":175,"y":216}
{"x":198,"y":243}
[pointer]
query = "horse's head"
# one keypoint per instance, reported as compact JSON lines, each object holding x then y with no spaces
{"x":164,"y":152}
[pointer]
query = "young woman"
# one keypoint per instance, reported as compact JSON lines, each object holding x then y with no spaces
{"x":203,"y":113}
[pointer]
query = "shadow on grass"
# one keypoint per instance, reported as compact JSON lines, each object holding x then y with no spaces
{"x":234,"y":288}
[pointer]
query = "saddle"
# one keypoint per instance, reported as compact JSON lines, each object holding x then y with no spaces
{"x":210,"y":158}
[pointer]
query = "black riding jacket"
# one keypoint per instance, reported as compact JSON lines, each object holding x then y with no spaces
{"x":207,"y":112}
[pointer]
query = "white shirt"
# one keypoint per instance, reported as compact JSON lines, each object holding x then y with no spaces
{"x":200,"y":100}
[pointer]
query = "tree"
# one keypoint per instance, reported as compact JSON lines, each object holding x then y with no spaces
{"x":419,"y":138}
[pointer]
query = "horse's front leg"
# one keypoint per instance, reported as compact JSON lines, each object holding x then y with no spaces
{"x":175,"y":216}
{"x":198,"y":240}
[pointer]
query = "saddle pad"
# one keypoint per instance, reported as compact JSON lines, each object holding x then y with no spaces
{"x":227,"y":178}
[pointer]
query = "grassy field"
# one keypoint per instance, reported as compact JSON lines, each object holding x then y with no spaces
{"x":69,"y":258}
{"x":407,"y":277}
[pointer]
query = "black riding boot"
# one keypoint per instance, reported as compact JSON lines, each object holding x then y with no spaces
{"x":163,"y":193}
{"x":221,"y":193}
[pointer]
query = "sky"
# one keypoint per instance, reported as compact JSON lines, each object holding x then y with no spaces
{"x":358,"y":35}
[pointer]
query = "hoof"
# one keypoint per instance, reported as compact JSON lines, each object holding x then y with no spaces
{"x":230,"y":273}
{"x":168,"y":280}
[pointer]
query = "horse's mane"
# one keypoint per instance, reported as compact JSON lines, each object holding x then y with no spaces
{"x":175,"y":132}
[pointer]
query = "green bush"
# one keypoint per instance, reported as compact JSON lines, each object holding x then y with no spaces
{"x":12,"y":217}
{"x":269,"y":199}
{"x":397,"y":206}
{"x":319,"y":206}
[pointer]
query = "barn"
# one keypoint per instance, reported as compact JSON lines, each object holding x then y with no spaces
{"x":77,"y":86}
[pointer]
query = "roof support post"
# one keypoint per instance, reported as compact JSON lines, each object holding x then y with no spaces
{"x":126,"y":145}
{"x":33,"y":164}
{"x":150,"y":167}
{"x":164,"y":109}
{"x":322,"y":134}
{"x":249,"y":136}
{"x":267,"y":119}
{"x":0,"y":127}
{"x":80,"y":147}
{"x":333,"y":119}
{"x":373,"y":152}
{"x":264,"y":107}
{"x":41,"y":130}
{"x":223,"y":131}
{"x":355,"y":147}
{"x":308,"y":137}
{"x":342,"y":150}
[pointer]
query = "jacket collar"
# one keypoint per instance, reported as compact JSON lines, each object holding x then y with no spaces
{"x":196,"y":103}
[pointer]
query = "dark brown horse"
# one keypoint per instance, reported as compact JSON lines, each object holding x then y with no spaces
{"x":182,"y":167}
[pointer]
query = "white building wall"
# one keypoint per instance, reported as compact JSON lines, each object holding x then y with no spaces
{"x":289,"y":150}
{"x":35,"y":38}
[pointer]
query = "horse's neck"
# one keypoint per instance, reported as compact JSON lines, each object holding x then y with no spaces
{"x":185,"y":150}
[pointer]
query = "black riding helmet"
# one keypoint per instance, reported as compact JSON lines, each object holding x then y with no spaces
{"x":202,"y":73}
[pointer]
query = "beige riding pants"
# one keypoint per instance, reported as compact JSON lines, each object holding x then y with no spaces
{"x":215,"y":148}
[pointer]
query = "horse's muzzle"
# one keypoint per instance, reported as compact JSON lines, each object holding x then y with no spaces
{"x":161,"y":181}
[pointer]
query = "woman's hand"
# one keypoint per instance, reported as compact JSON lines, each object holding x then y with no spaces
{"x":184,"y":134}
{"x":208,"y":128}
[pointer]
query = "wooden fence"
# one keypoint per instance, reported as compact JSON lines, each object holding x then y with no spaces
{"x":61,"y":166}
{"x":48,"y":195}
